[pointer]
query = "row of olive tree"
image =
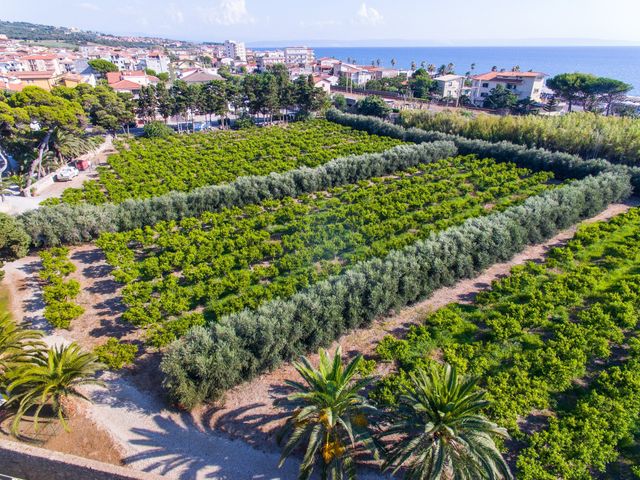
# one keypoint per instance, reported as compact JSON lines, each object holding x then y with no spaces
{"x":67,"y":224}
{"x":208,"y":361}
{"x":564,"y":165}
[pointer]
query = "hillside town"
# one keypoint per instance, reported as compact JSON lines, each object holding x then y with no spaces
{"x":23,"y":64}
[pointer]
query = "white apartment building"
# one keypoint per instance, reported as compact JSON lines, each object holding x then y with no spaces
{"x":299,"y":56}
{"x":523,"y":84}
{"x":235,"y":50}
{"x":450,"y":86}
{"x":268,"y":58}
{"x":354,"y":74}
{"x":155,"y":61}
{"x":42,"y":63}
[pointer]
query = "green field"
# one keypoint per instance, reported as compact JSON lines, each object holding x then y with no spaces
{"x":145,"y":168}
{"x":241,"y":257}
{"x":556,"y":347}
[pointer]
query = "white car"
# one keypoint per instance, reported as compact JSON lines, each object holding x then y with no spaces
{"x":67,"y":173}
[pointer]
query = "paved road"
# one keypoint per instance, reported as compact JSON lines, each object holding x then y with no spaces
{"x":17,"y":204}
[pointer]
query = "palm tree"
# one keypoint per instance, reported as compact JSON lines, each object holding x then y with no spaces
{"x":442,"y":434}
{"x":378,"y":62}
{"x":52,"y":377}
{"x":450,"y":67}
{"x":423,"y":64}
{"x":393,"y":62}
{"x":16,"y":345}
{"x":329,"y":417}
{"x":413,"y":64}
{"x":431,"y":68}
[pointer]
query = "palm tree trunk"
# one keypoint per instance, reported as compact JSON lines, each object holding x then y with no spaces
{"x":37,"y":163}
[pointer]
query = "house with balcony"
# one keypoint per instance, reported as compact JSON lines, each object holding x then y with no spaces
{"x":354,"y":74}
{"x":155,"y":61}
{"x":525,"y":85}
{"x":451,"y":86}
{"x":42,"y":63}
{"x":299,"y":56}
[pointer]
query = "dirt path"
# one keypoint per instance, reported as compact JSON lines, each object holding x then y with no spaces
{"x":249,"y":411}
{"x":153,"y":438}
{"x":129,"y":416}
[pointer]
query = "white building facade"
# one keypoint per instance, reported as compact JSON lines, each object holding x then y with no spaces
{"x":235,"y":50}
{"x":299,"y":56}
{"x":525,"y":85}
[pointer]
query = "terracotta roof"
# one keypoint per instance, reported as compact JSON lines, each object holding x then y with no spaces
{"x":31,"y":75}
{"x":113,"y":77}
{"x":132,"y":73}
{"x":508,"y":75}
{"x":125,"y":85}
{"x":200,"y":77}
{"x":40,"y":57}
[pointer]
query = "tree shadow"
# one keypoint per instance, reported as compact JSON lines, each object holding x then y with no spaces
{"x":176,"y":446}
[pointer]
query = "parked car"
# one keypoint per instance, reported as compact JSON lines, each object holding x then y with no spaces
{"x":67,"y":173}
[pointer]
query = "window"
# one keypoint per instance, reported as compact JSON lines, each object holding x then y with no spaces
{"x":511,"y":86}
{"x":484,"y":94}
{"x":485,"y":85}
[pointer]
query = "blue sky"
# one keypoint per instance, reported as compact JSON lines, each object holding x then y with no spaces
{"x":428,"y":22}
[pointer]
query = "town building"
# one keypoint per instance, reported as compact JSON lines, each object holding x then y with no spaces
{"x":299,"y":56}
{"x":155,"y":61}
{"x":268,"y":58}
{"x":42,"y":63}
{"x":354,"y":74}
{"x":43,"y":79}
{"x":450,"y":86}
{"x":200,"y":76}
{"x":525,"y":85}
{"x":235,"y":50}
{"x":130,"y":81}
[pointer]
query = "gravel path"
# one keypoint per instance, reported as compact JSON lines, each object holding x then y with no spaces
{"x":185,"y":446}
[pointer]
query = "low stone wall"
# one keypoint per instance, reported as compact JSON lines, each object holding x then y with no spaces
{"x":32,"y":463}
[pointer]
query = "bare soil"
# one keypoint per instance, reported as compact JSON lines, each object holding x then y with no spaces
{"x":83,"y":438}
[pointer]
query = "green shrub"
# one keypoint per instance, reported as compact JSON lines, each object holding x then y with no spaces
{"x":60,"y":314}
{"x":115,"y":354}
{"x":14,"y":240}
{"x":583,"y":133}
{"x":157,"y":130}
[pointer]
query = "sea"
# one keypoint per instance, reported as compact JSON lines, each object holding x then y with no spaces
{"x":622,"y":63}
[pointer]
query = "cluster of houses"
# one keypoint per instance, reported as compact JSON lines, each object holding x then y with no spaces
{"x":23,"y":64}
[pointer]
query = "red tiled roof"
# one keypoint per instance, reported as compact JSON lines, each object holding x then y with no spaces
{"x":113,"y":77}
{"x":508,"y":75}
{"x":40,"y":57}
{"x":132,"y":73}
{"x":125,"y":85}
{"x":44,"y":74}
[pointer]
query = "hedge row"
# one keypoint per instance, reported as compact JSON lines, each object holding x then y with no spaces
{"x":207,"y":362}
{"x":563,"y":165}
{"x":70,"y":224}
